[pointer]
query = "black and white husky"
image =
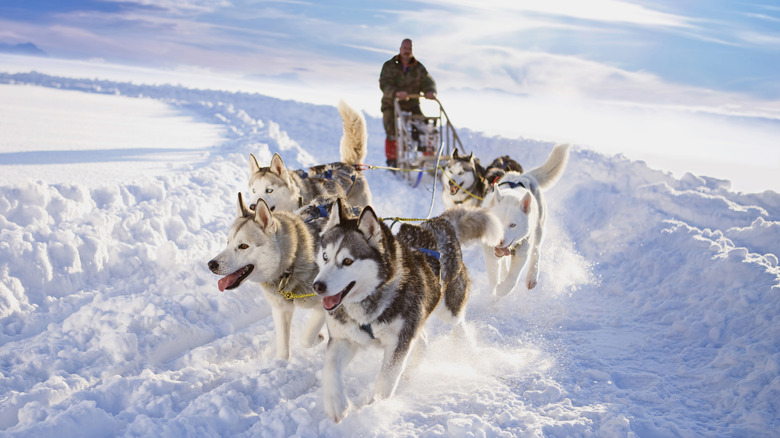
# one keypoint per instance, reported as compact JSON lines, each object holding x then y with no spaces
{"x":517,"y":201}
{"x":466,"y":182}
{"x":276,"y":250}
{"x":378,"y":289}
{"x":287,"y":189}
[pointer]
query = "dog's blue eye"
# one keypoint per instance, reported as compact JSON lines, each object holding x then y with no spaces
{"x":512,"y":225}
{"x":269,"y":190}
{"x":325,"y":256}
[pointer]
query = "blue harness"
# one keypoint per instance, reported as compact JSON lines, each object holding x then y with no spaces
{"x":328,"y":174}
{"x":430,"y":252}
{"x":513,"y":185}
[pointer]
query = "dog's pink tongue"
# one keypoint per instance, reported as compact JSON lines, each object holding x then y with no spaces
{"x":453,"y":189}
{"x":227,"y":281}
{"x":331,"y":301}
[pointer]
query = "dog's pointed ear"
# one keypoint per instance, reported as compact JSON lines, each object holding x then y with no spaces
{"x":254,"y":166}
{"x":337,"y":215}
{"x":369,"y":225}
{"x":263,"y":216}
{"x":277,"y":166}
{"x":497,"y":195}
{"x":471,"y":156}
{"x":526,"y":203}
{"x":344,"y":211}
{"x":243,"y":210}
{"x":455,"y":153}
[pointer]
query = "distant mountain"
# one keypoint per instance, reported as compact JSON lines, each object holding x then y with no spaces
{"x":22,"y":49}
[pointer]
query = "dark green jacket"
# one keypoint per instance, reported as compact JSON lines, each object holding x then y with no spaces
{"x":414,"y":81}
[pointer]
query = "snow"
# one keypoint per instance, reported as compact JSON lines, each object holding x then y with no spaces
{"x":657,"y":311}
{"x":145,"y":134}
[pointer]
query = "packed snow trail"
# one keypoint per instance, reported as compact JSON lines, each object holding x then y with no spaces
{"x":656,"y":312}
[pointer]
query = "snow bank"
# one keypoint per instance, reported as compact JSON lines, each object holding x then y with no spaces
{"x":656,"y":312}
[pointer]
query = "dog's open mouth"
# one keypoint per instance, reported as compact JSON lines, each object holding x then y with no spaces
{"x":233,"y":280}
{"x":333,"y":301}
{"x":453,"y":188}
{"x":502,"y":252}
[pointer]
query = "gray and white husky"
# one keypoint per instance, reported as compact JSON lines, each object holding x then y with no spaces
{"x":379,"y":289}
{"x":517,"y":201}
{"x":287,"y":189}
{"x":466,"y":182}
{"x":276,"y":250}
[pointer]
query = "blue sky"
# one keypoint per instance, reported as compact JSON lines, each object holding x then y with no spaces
{"x":700,"y":71}
{"x":720,"y":45}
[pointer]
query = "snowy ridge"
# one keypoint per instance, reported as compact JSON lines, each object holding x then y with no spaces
{"x":657,"y":311}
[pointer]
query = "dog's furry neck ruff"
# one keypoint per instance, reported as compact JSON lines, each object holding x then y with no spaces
{"x":300,"y":270}
{"x":291,"y":293}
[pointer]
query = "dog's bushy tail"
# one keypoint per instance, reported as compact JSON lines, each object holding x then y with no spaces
{"x":354,"y":140}
{"x":474,"y":223}
{"x":549,"y":172}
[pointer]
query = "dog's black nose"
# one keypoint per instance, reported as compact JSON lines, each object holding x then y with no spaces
{"x":213,"y":265}
{"x":320,"y":287}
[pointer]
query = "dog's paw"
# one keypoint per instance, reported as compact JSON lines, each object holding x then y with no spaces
{"x":336,"y":406}
{"x":283,"y":355}
{"x":531,"y":281}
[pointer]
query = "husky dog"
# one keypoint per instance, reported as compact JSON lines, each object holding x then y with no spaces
{"x":517,"y":201}
{"x":465,"y":181}
{"x":276,"y":250}
{"x":285,"y":189}
{"x":379,"y":289}
{"x":499,"y":167}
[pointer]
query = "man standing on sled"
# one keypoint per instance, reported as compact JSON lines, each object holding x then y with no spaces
{"x":403,"y":77}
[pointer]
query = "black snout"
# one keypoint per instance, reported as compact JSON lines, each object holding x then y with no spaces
{"x":214,"y":266}
{"x":320,"y":287}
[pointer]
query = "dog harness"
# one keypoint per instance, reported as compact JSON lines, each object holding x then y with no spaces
{"x":513,"y":248}
{"x":328,"y":174}
{"x":322,"y":211}
{"x":464,"y":190}
{"x":291,"y":294}
{"x":513,"y":185}
{"x":430,"y":252}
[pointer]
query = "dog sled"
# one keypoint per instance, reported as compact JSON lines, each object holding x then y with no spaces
{"x":423,"y":140}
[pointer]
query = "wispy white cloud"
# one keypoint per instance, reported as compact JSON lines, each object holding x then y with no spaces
{"x":180,"y":6}
{"x":542,"y":75}
{"x":540,"y":49}
{"x":596,"y":10}
{"x":763,"y":17}
{"x":771,"y":41}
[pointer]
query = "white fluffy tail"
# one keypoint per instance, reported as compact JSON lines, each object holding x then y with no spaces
{"x":354,"y":141}
{"x":549,"y":172}
{"x":474,"y":223}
